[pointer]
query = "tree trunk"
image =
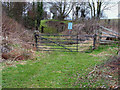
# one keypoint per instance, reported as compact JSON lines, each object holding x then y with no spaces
{"x":94,"y":9}
{"x":98,"y":9}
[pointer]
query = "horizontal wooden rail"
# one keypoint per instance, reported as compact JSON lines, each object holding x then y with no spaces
{"x":54,"y":35}
{"x":109,"y":30}
{"x":57,"y":50}
{"x":53,"y":48}
{"x":59,"y":39}
{"x":55,"y":45}
{"x":65,"y":35}
{"x":108,"y":41}
{"x":108,"y":34}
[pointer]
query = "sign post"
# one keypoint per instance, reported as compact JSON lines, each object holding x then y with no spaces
{"x":70,"y":27}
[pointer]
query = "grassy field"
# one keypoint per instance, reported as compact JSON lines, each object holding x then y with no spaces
{"x":50,"y":29}
{"x":47,"y":28}
{"x":55,"y":69}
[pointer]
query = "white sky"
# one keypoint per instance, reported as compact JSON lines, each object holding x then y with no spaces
{"x":113,"y":12}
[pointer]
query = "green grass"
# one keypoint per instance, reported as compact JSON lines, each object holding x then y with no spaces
{"x":52,"y":70}
{"x":49,"y":29}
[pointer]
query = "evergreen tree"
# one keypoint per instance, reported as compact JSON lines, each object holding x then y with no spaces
{"x":39,"y":14}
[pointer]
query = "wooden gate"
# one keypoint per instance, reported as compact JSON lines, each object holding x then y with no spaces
{"x":63,"y":43}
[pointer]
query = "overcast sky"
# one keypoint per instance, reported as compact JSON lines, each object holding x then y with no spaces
{"x":113,"y":12}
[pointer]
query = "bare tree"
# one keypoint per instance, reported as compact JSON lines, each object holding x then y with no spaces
{"x":63,"y":8}
{"x":97,"y":7}
{"x":77,"y":11}
{"x":81,"y":10}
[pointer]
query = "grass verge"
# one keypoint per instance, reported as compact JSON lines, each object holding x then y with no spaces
{"x":54,"y":69}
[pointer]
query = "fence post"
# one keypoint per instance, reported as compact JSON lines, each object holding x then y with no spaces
{"x":94,"y":41}
{"x":77,"y":42}
{"x":99,"y":36}
{"x":35,"y":36}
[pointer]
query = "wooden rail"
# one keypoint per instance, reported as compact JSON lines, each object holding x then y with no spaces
{"x":109,"y":30}
{"x":110,"y":33}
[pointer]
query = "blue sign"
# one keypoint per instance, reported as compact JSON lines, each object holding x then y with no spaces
{"x":70,"y":25}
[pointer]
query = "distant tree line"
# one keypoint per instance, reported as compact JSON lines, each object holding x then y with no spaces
{"x":26,"y":13}
{"x":94,"y":9}
{"x":30,"y":14}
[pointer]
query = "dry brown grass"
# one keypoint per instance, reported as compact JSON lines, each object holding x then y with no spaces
{"x":18,"y":39}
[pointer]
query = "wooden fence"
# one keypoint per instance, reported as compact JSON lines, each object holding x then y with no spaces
{"x":107,"y":36}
